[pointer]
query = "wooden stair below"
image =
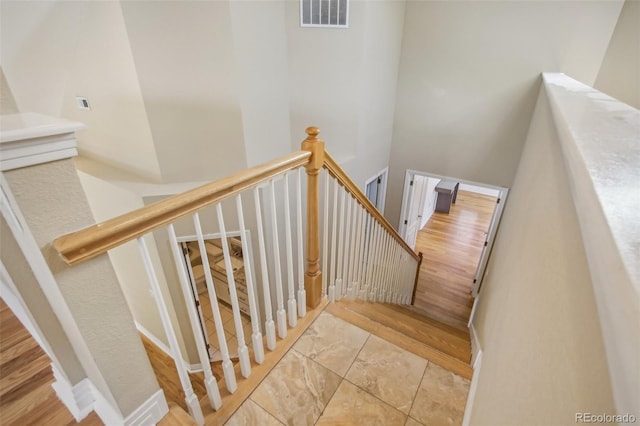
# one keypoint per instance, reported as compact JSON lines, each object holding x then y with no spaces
{"x":444,"y":345}
{"x":177,"y":417}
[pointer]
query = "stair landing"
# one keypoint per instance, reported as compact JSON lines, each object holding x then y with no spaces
{"x":441,"y":344}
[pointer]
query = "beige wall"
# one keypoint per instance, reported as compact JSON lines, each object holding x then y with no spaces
{"x":184,"y":58}
{"x":103,"y":70}
{"x":344,"y":82}
{"x":260,"y":52}
{"x":619,"y":75}
{"x":469,"y":78}
{"x":536,"y":320}
{"x":108,"y":200}
{"x":53,"y":204}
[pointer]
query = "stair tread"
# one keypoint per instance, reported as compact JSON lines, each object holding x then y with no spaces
{"x":177,"y":416}
{"x":418,"y":327}
{"x":400,"y":339}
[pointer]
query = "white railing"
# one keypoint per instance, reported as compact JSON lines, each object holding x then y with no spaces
{"x":362,"y":257}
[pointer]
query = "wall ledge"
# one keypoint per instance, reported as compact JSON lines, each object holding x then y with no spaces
{"x":27,"y":139}
{"x":600,"y":142}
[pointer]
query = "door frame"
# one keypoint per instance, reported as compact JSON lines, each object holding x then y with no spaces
{"x":497,"y":215}
{"x":194,"y":290}
{"x":384,"y":175}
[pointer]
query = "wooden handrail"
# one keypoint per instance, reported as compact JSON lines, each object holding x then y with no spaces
{"x":92,"y":241}
{"x":337,"y":172}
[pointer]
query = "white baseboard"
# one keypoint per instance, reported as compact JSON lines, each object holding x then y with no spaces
{"x":191,"y":368}
{"x":472,"y":390}
{"x":149,"y":413}
{"x":475,"y":345}
{"x":78,"y":398}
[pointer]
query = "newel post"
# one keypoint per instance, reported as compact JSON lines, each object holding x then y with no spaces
{"x":313,"y":274}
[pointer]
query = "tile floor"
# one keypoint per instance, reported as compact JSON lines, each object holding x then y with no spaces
{"x":227,"y":323}
{"x":338,"y":373}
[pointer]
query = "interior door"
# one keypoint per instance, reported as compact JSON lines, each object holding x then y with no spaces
{"x":417,"y":196}
{"x":488,"y":243}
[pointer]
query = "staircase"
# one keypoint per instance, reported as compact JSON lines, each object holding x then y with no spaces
{"x":355,"y":266}
{"x":413,"y":331}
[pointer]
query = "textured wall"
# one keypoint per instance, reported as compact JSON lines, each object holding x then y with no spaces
{"x":537,"y":321}
{"x":38,"y":305}
{"x":51,"y":198}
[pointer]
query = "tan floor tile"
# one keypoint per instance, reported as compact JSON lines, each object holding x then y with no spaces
{"x":297,"y":390}
{"x":251,"y":414}
{"x":332,"y":342}
{"x":352,"y":406}
{"x":412,"y":422}
{"x":388,"y":372}
{"x":441,"y":398}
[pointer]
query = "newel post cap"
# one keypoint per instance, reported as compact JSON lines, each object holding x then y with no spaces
{"x":312,"y":132}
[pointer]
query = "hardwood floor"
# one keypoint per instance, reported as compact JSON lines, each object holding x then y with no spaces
{"x":26,"y":395}
{"x":452,"y":244}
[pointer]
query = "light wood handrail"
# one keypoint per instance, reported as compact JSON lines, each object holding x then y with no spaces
{"x":337,"y":172}
{"x":92,"y":241}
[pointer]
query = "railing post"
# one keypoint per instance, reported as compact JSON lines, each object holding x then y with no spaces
{"x":415,"y":281}
{"x":313,"y":274}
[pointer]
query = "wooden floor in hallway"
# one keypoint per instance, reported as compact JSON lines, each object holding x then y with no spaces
{"x":26,"y":395}
{"x":452,"y":244}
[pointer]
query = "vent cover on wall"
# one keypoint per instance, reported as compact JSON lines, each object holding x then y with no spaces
{"x":324,"y":13}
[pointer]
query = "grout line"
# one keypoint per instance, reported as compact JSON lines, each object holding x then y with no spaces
{"x":424,"y":373}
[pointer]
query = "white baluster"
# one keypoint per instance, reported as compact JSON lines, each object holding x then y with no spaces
{"x":210,"y":382}
{"x":243,"y":351}
{"x":347,"y":247}
{"x":369,"y":240}
{"x":227,"y":365}
{"x":373,"y":259}
{"x":325,"y":236}
{"x":340,"y":246}
{"x":269,"y":325}
{"x":351,"y":289}
{"x":302,"y":293}
{"x":281,"y":315}
{"x":378,"y":263}
{"x":385,"y":264}
{"x":363,"y":224}
{"x":291,"y":304}
{"x":193,"y":404}
{"x":256,"y":335}
{"x":334,"y":224}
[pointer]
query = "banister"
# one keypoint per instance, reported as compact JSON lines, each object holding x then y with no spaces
{"x":94,"y":240}
{"x":337,"y":172}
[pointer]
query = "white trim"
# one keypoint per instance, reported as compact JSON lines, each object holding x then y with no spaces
{"x":78,"y":399}
{"x":475,"y":345}
{"x":149,"y":413}
{"x":473,"y":388}
{"x":191,"y":368}
{"x":28,"y":139}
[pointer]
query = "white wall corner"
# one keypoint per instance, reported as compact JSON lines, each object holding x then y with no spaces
{"x":475,"y":345}
{"x":149,"y":412}
{"x":78,"y":398}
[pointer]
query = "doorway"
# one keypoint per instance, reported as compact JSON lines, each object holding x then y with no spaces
{"x":456,"y":245}
{"x":193,"y":261}
{"x":376,"y":189}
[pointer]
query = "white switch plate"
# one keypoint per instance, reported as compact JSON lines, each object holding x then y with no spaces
{"x":83,"y":103}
